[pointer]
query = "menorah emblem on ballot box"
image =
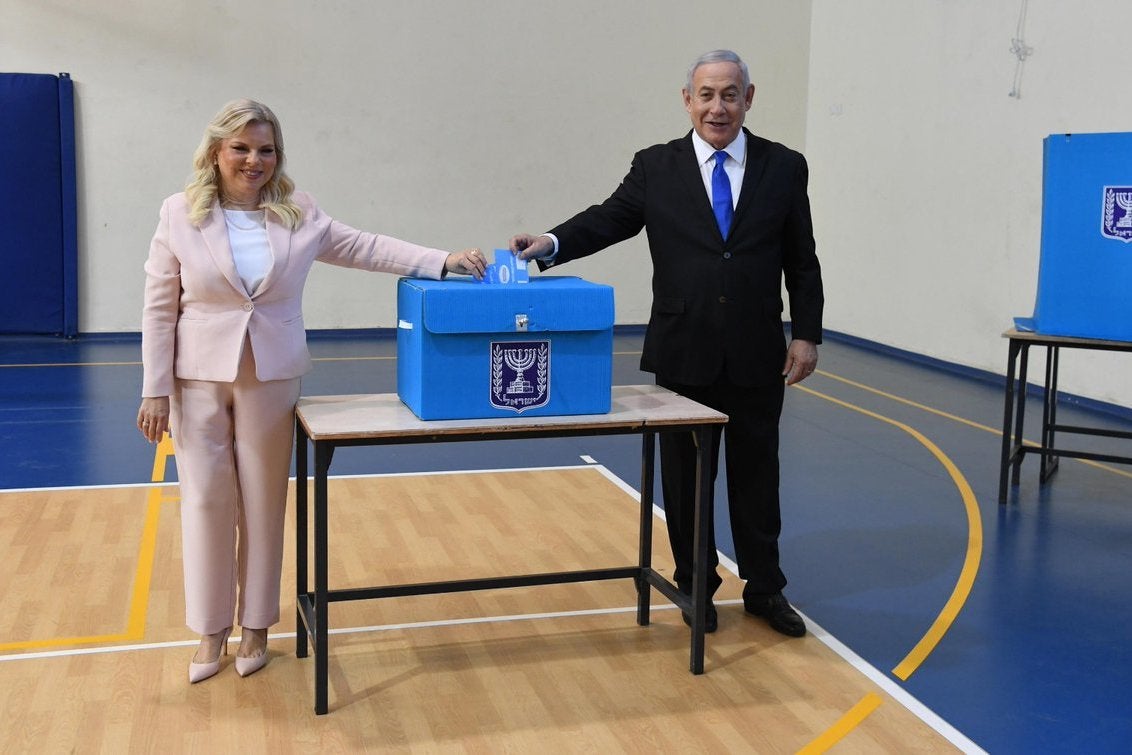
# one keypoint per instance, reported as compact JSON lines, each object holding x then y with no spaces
{"x":1117,"y":217}
{"x":511,"y":362}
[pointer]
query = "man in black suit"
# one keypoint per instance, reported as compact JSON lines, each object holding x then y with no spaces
{"x":727,"y":217}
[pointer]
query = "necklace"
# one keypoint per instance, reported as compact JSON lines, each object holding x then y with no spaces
{"x":228,"y":202}
{"x":256,"y":219}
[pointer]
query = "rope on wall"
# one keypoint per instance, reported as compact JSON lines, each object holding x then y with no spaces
{"x":1021,"y":51}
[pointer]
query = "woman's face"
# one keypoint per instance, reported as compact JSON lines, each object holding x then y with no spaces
{"x":246,"y":163}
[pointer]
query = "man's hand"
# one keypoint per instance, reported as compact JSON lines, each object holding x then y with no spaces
{"x":801,"y":360}
{"x":528,"y":247}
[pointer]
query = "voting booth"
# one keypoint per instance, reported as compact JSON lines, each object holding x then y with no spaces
{"x":1085,"y":271}
{"x":469,"y":350}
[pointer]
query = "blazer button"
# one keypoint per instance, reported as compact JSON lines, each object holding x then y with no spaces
{"x":248,"y":306}
{"x":727,"y":255}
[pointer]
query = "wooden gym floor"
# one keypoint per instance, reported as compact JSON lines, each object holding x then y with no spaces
{"x":561,"y":667}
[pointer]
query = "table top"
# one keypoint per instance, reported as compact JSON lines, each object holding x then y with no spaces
{"x":1088,"y":343}
{"x":384,"y":415}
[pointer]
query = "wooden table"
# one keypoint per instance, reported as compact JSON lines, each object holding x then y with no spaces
{"x":327,"y":422}
{"x":1013,"y":446}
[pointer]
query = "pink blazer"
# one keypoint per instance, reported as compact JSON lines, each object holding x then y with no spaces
{"x":197,"y":312}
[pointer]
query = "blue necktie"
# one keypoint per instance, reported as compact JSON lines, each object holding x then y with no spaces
{"x":721,"y":194}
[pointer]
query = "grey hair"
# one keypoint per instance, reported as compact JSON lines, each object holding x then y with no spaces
{"x":719,"y":56}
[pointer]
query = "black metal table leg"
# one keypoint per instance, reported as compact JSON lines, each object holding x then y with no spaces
{"x":302,"y":585}
{"x":1007,"y":420}
{"x":1020,"y":414}
{"x":704,"y":520}
{"x":644,"y":560}
{"x":1049,"y":415}
{"x":323,"y":453}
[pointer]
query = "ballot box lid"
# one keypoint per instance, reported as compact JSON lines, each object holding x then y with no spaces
{"x":545,"y":304}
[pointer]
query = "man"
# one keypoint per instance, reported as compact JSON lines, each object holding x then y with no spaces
{"x":727,"y":216}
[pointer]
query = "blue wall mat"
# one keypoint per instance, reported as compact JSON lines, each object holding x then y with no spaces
{"x":38,"y":229}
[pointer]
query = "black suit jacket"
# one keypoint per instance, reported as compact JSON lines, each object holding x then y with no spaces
{"x":717,"y":304}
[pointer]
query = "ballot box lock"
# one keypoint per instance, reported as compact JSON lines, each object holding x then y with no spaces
{"x":521,"y":323}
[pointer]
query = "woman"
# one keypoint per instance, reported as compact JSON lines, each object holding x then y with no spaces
{"x":223,"y":348}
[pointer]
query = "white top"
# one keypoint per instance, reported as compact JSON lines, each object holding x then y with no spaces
{"x":247,"y":234}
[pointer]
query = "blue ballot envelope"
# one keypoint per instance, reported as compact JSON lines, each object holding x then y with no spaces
{"x":467,"y":350}
{"x":1085,"y":270}
{"x":507,"y":268}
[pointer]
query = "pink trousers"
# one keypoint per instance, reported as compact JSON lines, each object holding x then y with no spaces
{"x":233,"y":450}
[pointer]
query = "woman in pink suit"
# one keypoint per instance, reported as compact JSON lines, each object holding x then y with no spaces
{"x":223,"y":348}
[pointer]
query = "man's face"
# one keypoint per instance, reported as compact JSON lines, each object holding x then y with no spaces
{"x":717,"y":103}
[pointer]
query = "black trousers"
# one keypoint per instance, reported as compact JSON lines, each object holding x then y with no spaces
{"x":751,"y":443}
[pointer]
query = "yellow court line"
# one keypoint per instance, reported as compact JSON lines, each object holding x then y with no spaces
{"x":956,"y":418}
{"x":847,"y":723}
{"x":139,"y":596}
{"x":908,"y":402}
{"x":966,"y":579}
{"x":63,"y":642}
{"x":139,"y":603}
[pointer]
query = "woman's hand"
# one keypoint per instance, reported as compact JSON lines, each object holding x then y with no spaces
{"x":468,"y":262}
{"x":153,"y":418}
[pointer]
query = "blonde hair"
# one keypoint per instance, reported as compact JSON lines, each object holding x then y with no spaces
{"x":204,"y":185}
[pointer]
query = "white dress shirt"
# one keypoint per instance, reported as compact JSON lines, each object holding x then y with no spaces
{"x":734,"y":166}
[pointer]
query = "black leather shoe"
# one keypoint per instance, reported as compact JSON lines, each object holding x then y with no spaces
{"x":777,"y":612}
{"x":711,"y":618}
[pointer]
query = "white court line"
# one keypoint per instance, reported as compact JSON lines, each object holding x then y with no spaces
{"x":898,"y":693}
{"x":91,"y":487}
{"x":174,"y":483}
{"x":894,"y":690}
{"x":439,"y":623}
{"x":431,"y":473}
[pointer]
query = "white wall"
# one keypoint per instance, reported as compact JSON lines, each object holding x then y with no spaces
{"x":457,"y":124}
{"x":447,"y":123}
{"x":926,"y":176}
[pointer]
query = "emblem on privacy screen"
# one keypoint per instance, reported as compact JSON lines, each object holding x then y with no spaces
{"x":520,"y":374}
{"x":1117,"y":221}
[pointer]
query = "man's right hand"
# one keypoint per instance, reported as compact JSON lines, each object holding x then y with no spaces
{"x":528,"y":247}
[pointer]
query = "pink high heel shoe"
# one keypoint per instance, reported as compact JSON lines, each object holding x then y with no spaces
{"x":246,"y":666}
{"x":198,"y":672}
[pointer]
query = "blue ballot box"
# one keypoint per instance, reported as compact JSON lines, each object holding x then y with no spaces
{"x":1085,"y":271}
{"x":467,"y":350}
